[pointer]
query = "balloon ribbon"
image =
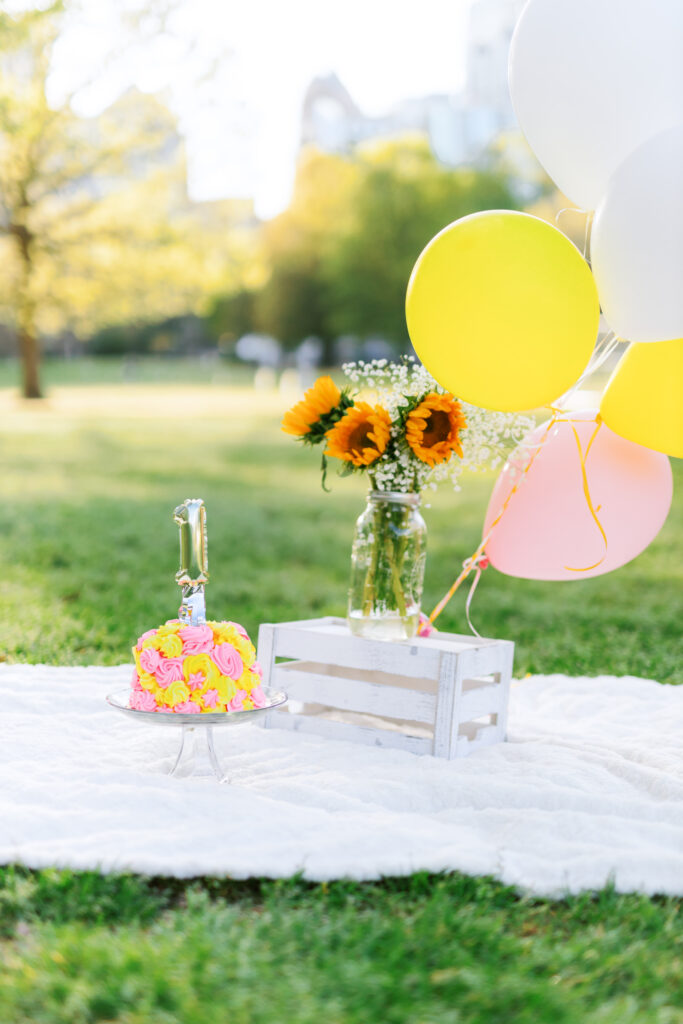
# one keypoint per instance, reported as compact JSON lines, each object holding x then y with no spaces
{"x":587,"y":494}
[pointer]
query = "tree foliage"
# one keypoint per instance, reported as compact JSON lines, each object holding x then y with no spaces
{"x":97,"y":225}
{"x":341,"y":255}
{"x":297,"y":245}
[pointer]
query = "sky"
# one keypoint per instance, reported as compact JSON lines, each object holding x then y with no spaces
{"x":236,"y":72}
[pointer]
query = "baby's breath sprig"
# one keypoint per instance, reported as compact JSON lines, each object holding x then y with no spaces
{"x":400,"y":387}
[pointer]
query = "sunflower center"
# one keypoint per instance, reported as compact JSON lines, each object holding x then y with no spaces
{"x":438,"y":428}
{"x":359,"y":437}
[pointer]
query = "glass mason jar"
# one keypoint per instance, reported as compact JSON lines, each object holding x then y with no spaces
{"x":387,"y":567}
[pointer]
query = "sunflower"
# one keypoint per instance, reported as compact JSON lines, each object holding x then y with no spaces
{"x":361,"y":435}
{"x":433,"y":428}
{"x":317,"y":402}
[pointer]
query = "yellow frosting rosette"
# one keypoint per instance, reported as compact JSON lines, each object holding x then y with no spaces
{"x":246,"y":650}
{"x":148,"y":682}
{"x":201,"y":663}
{"x":227,"y":688}
{"x":170,"y":627}
{"x":248,"y":680}
{"x":169,"y":644}
{"x":221,"y":632}
{"x":175,"y":693}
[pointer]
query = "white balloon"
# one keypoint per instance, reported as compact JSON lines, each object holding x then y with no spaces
{"x":637,"y":242}
{"x":592,"y":79}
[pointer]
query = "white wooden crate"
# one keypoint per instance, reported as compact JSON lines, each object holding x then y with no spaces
{"x":446,"y":695}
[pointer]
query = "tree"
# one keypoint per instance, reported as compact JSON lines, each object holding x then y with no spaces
{"x":28,"y":171}
{"x":293,"y":303}
{"x":230,"y":316}
{"x":97,"y":225}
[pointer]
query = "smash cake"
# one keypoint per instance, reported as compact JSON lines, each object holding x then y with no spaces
{"x":191,"y":670}
{"x":190,"y":666}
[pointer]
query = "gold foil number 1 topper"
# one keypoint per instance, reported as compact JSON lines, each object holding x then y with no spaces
{"x":194,"y":562}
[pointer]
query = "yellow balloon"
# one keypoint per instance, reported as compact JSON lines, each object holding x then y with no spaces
{"x":643,"y":400}
{"x":503,"y":311}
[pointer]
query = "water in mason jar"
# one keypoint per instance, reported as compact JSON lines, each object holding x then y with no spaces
{"x":385,"y":626}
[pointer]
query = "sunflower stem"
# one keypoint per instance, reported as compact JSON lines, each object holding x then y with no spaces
{"x":369,"y":585}
{"x":395,"y":576}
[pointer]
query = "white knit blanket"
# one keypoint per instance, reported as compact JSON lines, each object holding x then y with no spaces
{"x":588,"y":790}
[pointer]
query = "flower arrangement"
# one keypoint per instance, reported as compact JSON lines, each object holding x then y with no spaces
{"x":196,"y":669}
{"x":395,"y":424}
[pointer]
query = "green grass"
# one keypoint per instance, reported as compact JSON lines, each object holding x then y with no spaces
{"x":87,"y":556}
{"x":89,"y":549}
{"x":154,"y":370}
{"x":424,"y":949}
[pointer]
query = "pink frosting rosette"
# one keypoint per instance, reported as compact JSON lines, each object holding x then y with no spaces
{"x":210,"y":698}
{"x":145,"y":636}
{"x":196,"y":639}
{"x":240,"y":629}
{"x":188,"y":707}
{"x":142,"y":700}
{"x":227,"y":660}
{"x":196,"y":680}
{"x":258,"y":697}
{"x":169,"y":670}
{"x":149,"y":660}
{"x":236,"y":704}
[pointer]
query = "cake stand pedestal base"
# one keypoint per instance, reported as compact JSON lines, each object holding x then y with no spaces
{"x":197,"y":754}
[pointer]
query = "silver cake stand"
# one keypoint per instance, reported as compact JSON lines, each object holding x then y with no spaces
{"x":193,"y":726}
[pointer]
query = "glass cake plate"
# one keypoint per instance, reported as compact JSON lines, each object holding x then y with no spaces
{"x":193,"y":726}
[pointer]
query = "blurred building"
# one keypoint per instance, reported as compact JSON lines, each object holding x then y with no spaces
{"x":154,"y":143}
{"x":460,"y":127}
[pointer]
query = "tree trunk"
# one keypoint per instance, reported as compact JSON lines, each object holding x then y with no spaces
{"x":28,"y":350}
{"x":26,"y":331}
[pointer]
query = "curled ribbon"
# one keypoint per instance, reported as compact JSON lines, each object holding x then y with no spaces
{"x":587,"y":494}
{"x":481,"y":563}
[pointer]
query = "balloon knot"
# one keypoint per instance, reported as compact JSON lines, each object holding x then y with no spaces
{"x":425,"y":628}
{"x":481,"y":562}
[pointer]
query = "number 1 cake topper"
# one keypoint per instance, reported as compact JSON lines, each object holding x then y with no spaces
{"x":194,"y":563}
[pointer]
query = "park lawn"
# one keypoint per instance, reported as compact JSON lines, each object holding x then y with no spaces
{"x":88,"y":552}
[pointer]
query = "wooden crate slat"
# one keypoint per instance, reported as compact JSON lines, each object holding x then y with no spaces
{"x":405,"y":659}
{"x":486,"y":661}
{"x":470,"y":665}
{"x":446,"y":701}
{"x":354,"y":694}
{"x":506,"y":680}
{"x":481,"y":701}
{"x":317,"y":726}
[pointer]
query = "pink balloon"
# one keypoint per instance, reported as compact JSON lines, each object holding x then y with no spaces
{"x":547,"y":529}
